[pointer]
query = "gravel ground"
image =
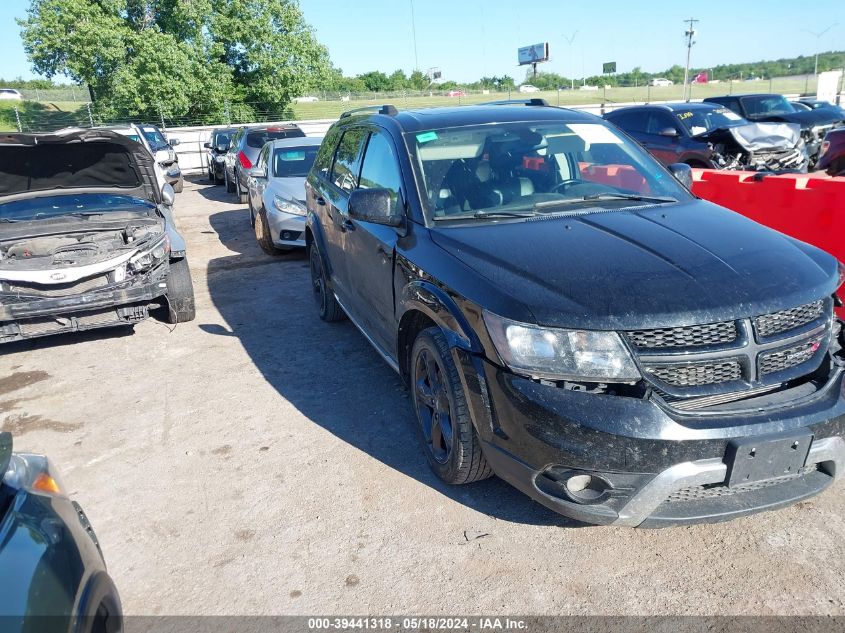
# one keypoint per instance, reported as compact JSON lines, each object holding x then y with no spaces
{"x":260,"y":461}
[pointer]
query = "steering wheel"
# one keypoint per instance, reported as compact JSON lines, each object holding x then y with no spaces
{"x":564,"y":183}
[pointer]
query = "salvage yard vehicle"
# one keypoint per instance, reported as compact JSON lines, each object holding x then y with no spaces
{"x":276,"y":198}
{"x":87,"y":238}
{"x":215,"y":155}
{"x":832,"y":157}
{"x":166,"y":160}
{"x":568,"y":316}
{"x":243,"y":151}
{"x":54,"y":575}
{"x":713,"y":137}
{"x":774,"y":108}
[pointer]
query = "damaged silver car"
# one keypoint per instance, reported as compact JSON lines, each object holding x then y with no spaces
{"x":87,"y":238}
{"x":714,"y":137}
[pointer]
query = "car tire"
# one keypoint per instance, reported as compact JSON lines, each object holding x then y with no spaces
{"x":242,"y":195}
{"x":450,"y":442}
{"x":328,"y":306}
{"x":262,"y":235}
{"x":229,"y":186}
{"x":180,"y":185}
{"x":180,"y":293}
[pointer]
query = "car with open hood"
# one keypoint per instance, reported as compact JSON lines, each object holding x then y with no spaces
{"x":87,"y":238}
{"x":568,"y":316}
{"x":54,"y":576}
{"x":775,"y":108}
{"x":712,"y":136}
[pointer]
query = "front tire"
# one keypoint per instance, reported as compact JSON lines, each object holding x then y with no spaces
{"x":328,"y":306}
{"x":262,"y":234}
{"x":180,"y":293}
{"x":450,"y":442}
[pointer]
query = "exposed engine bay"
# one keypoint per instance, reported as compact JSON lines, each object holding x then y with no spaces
{"x":758,"y":147}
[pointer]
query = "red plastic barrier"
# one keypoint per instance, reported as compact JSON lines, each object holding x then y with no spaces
{"x":808,"y":207}
{"x":620,"y":176}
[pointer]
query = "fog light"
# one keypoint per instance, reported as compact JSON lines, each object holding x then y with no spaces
{"x":587,"y":488}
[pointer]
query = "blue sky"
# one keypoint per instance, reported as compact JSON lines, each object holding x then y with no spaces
{"x":470,"y":38}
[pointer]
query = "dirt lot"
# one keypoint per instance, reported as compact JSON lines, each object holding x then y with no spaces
{"x":258,"y":460}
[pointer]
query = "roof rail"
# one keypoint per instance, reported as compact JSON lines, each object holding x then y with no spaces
{"x":387,"y":109}
{"x":526,"y":102}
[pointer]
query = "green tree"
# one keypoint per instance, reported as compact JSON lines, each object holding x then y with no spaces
{"x":197,"y":59}
{"x":375,"y":81}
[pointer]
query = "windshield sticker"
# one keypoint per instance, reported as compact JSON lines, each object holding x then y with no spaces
{"x":684,"y":115}
{"x":595,"y":134}
{"x":293,"y":156}
{"x":425,"y":137}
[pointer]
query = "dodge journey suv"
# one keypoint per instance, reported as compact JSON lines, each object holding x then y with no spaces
{"x":569,"y":317}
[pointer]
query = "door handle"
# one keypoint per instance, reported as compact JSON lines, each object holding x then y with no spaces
{"x":383,"y":252}
{"x":321,"y":201}
{"x":346,"y":225}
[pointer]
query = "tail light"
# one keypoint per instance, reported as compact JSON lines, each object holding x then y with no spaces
{"x":825,"y":147}
{"x":245,"y":162}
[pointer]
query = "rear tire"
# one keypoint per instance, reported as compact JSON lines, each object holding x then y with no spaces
{"x":450,"y":442}
{"x":262,"y":234}
{"x":230,"y":188}
{"x":180,"y":293}
{"x":242,"y":195}
{"x":328,"y":306}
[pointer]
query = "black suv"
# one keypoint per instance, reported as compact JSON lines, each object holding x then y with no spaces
{"x":569,"y":317}
{"x":215,"y":154}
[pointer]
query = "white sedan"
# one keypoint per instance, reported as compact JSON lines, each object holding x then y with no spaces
{"x":276,"y":192}
{"x":10,"y":94}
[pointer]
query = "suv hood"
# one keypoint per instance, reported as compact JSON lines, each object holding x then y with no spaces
{"x":647,"y":266}
{"x":805,"y":118}
{"x":75,"y":161}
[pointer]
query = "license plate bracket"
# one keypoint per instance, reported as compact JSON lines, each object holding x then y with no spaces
{"x":766,"y":457}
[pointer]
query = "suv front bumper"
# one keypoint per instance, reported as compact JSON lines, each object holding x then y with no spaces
{"x":656,"y":467}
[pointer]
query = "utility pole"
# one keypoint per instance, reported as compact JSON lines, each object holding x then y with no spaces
{"x":414,"y":35}
{"x":690,"y":33}
{"x":571,"y":61}
{"x":818,"y":38}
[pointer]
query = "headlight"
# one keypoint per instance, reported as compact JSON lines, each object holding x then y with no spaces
{"x":559,"y":354}
{"x":151,"y":256}
{"x":34,"y":473}
{"x":287,"y":205}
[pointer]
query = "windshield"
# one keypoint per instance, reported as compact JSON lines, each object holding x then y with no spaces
{"x":294,"y":162}
{"x":153,"y":136}
{"x":763,"y":105}
{"x":517,"y":167}
{"x":46,"y":207}
{"x":699,"y":121}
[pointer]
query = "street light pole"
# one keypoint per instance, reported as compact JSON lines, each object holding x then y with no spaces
{"x":818,"y":39}
{"x":690,"y":33}
{"x":414,"y":34}
{"x":571,"y":61}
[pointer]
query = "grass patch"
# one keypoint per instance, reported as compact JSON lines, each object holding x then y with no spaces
{"x":38,"y":116}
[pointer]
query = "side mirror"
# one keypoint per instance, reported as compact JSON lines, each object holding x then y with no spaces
{"x":168,"y":195}
{"x":374,"y":205}
{"x":173,"y":142}
{"x":257,"y":172}
{"x":683,"y":173}
{"x":206,"y":145}
{"x":668,"y":131}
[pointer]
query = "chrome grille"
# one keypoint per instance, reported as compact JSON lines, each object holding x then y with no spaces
{"x":697,"y":374}
{"x":685,"y":336}
{"x":772,"y":362}
{"x":57,"y":290}
{"x":785,"y":320}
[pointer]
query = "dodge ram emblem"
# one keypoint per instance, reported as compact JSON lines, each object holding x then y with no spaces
{"x":57,"y":276}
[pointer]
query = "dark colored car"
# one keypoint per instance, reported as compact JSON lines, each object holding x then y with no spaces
{"x":712,"y":136}
{"x":87,"y":238}
{"x":832,"y":158}
{"x":243,"y":152}
{"x":54,"y":576}
{"x":569,"y":317}
{"x":775,"y":108}
{"x":820,"y":104}
{"x":215,"y":154}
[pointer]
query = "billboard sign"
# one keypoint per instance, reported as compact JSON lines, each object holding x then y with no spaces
{"x":533,"y":54}
{"x":608,"y":68}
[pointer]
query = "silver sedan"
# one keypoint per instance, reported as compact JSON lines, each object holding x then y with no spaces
{"x":276,"y":192}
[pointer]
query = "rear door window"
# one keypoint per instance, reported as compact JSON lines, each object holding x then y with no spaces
{"x":347,"y":159}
